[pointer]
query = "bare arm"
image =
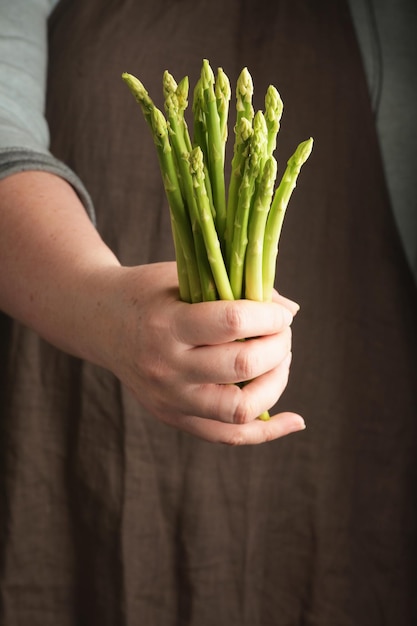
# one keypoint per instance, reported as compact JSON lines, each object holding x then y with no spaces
{"x":58,"y":277}
{"x":48,"y":248}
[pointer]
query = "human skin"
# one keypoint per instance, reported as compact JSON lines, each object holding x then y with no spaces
{"x":58,"y":277}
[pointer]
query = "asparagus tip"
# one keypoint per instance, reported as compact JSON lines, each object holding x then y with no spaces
{"x":169,"y":84}
{"x":269,"y":172}
{"x":273,"y":104}
{"x":196,"y":161}
{"x":243,"y":129}
{"x":172,"y":104}
{"x":244,"y":85}
{"x":222,"y":86}
{"x":302,"y":152}
{"x":159,"y":123}
{"x":207,"y":75}
{"x":182,"y":93}
{"x":259,"y":124}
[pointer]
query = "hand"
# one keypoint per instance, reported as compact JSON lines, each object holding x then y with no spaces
{"x":180,"y":360}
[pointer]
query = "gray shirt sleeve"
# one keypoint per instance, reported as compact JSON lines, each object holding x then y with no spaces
{"x":386,"y":33}
{"x":24,"y":137}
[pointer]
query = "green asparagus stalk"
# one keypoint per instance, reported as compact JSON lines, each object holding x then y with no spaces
{"x":273,"y":113}
{"x":171,"y":89}
{"x":246,"y":192}
{"x":199,"y":124}
{"x":184,"y":241}
{"x":141,"y":95}
{"x":223,"y":94}
{"x":215,"y":148}
{"x":182,"y":98}
{"x":184,"y":287}
{"x":243,"y":134}
{"x":200,"y":136}
{"x":169,"y":84}
{"x":208,"y":227}
{"x":256,"y":232}
{"x":182,"y":94}
{"x":243,"y":131}
{"x":260,"y":120}
{"x":277,"y":213}
{"x":180,"y":148}
{"x":190,"y":288}
{"x":244,"y":95}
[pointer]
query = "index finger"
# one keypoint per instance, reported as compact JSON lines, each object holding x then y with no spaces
{"x":212,"y":323}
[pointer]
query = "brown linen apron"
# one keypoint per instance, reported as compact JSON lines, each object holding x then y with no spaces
{"x":111,"y":519}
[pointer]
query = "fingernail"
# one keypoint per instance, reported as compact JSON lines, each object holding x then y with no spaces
{"x":299,"y":424}
{"x":294,"y":307}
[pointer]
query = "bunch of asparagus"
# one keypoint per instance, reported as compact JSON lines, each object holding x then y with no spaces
{"x":226,"y":241}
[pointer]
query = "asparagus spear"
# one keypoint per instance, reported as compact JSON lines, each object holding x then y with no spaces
{"x":182,"y":98}
{"x":215,"y":148}
{"x":244,"y":94}
{"x":179,"y":145}
{"x":186,"y":293}
{"x":182,"y":93}
{"x":169,"y":84}
{"x":199,"y":123}
{"x":200,"y":137}
{"x":189,"y":281}
{"x":223,"y":93}
{"x":273,"y":113}
{"x":183,"y":236}
{"x":141,"y":95}
{"x":243,"y":133}
{"x":246,"y":191}
{"x":211,"y":239}
{"x":277,"y":212}
{"x":256,"y":231}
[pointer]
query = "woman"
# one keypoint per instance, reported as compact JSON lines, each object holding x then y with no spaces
{"x":110,"y":516}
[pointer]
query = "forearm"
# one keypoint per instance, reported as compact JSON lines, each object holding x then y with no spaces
{"x":49,"y":252}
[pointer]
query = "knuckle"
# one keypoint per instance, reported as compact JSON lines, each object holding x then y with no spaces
{"x":243,"y":411}
{"x":236,"y":438}
{"x":157,"y":371}
{"x":233,"y":318}
{"x":244,"y":365}
{"x":269,"y":433}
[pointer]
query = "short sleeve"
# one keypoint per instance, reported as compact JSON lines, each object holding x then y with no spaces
{"x":24,"y":136}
